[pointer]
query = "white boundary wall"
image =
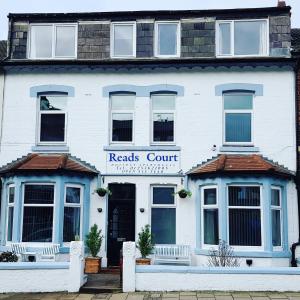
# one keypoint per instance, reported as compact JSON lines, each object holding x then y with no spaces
{"x":187,"y":278}
{"x":29,"y":277}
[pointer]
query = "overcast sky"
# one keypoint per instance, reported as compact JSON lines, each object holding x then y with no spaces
{"x":18,"y":6}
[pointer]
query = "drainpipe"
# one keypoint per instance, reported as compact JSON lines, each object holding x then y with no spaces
{"x":297,"y":98}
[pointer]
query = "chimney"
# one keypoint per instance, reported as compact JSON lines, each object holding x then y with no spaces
{"x":281,"y":3}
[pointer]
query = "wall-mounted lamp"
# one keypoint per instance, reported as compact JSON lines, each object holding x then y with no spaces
{"x":249,"y":262}
{"x":99,"y":209}
{"x":142,"y":210}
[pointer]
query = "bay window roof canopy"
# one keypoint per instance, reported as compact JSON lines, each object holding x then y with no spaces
{"x":49,"y":162}
{"x":227,"y":164}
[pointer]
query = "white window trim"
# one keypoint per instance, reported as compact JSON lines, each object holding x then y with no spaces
{"x":279,"y":208}
{"x":266,"y":44}
{"x":163,"y":111}
{"x":79,"y":205}
{"x":9,"y":205}
{"x":54,"y":26}
{"x":39,"y":205}
{"x":156,"y":54}
{"x":112,"y":40}
{"x":209,"y":206}
{"x":40,"y":112}
{"x":260,"y":207}
{"x":238,"y":111}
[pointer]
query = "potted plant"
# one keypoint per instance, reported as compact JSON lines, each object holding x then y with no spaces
{"x":93,"y":243}
{"x":145,"y":244}
{"x":183,"y":193}
{"x":8,"y":257}
{"x":103,"y":191}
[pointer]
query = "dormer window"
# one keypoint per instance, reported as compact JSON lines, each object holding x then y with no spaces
{"x":49,"y":41}
{"x":242,"y":38}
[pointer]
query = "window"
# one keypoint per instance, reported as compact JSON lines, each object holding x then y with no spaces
{"x":38,"y":213}
{"x":123,"y":40}
{"x":72,"y":213}
{"x":163,"y":215}
{"x":238,"y":118}
{"x":167,"y":39}
{"x":10,"y":212}
{"x":122,"y":113}
{"x":210,"y":216}
{"x":242,"y":38}
{"x":276,"y":216}
{"x":52,"y":119}
{"x":53,"y":41}
{"x":163,"y":118}
{"x":244,"y":216}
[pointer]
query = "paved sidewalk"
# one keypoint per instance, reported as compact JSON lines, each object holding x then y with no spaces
{"x":157,"y":296}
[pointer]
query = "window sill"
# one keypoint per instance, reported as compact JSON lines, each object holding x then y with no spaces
{"x":50,"y":148}
{"x":238,"y":149}
{"x":141,"y":148}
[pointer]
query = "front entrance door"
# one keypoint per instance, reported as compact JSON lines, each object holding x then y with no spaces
{"x":121,"y":220}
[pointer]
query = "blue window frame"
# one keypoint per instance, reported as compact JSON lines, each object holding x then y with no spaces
{"x":276,"y":216}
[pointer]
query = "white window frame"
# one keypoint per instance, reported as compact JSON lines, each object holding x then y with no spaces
{"x":162,"y":111}
{"x":231,"y":22}
{"x":209,"y":206}
{"x":119,"y":111}
{"x":279,"y":208}
{"x":260,"y":207}
{"x":164,"y":205}
{"x":10,"y":205}
{"x":238,"y":111}
{"x":39,"y":205}
{"x":112,"y":39}
{"x":156,"y":42}
{"x":54,"y":26}
{"x":78,"y":205}
{"x":40,"y":112}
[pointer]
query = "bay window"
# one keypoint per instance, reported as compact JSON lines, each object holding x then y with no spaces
{"x":10,"y":212}
{"x":163,"y":215}
{"x":242,"y":38}
{"x":38,"y":211}
{"x":276,"y":216}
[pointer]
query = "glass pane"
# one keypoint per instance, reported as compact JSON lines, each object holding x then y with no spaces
{"x":39,"y":194}
{"x":244,"y":227}
{"x":163,"y":195}
{"x":123,"y":40}
{"x":275,"y":197}
{"x":52,"y":128}
{"x":71,"y":223}
{"x":122,"y":127}
{"x":65,"y":41}
{"x":225,"y":38}
{"x":249,"y":37}
{"x":72,"y":195}
{"x":41,"y":41}
{"x":238,"y":101}
{"x":167,"y":39}
{"x":11,"y":195}
{"x":163,"y":225}
{"x":211,"y":227}
{"x":53,"y":103}
{"x":276,"y":228}
{"x":163,"y":102}
{"x":210,"y":196}
{"x":122,"y":102}
{"x":163,"y":127}
{"x":238,"y":127}
{"x":10,"y":219}
{"x":37,"y":224}
{"x":244,"y":195}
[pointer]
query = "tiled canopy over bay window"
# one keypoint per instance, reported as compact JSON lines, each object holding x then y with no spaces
{"x":51,"y":193}
{"x":249,"y":212}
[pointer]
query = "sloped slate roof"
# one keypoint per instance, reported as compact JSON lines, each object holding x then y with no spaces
{"x":233,"y":164}
{"x":48,"y":162}
{"x":3,"y":45}
{"x":296,"y":39}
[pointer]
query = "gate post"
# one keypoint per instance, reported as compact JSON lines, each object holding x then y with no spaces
{"x":128,"y":266}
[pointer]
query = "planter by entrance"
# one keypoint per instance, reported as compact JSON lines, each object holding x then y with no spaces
{"x":92,"y":265}
{"x":143,"y":261}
